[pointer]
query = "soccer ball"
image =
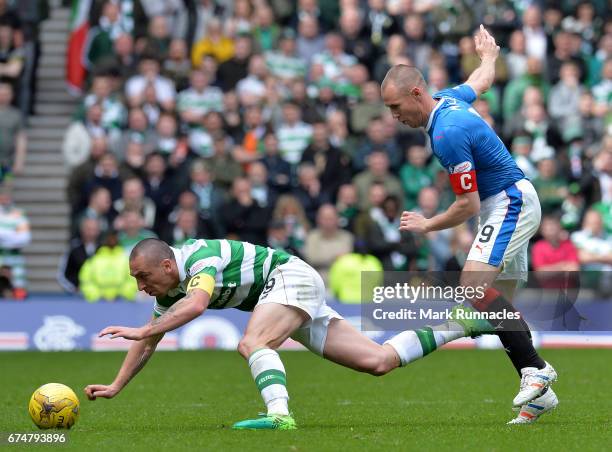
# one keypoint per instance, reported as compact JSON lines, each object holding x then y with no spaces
{"x":54,"y":405}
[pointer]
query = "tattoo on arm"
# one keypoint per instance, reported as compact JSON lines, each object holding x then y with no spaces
{"x":171,"y":310}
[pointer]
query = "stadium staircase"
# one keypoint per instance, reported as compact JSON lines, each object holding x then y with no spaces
{"x":41,"y":190}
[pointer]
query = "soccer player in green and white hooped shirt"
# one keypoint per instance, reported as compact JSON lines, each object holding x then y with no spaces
{"x":286,"y":296}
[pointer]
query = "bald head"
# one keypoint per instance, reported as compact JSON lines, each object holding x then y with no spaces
{"x":405,"y":93}
{"x":404,"y":77}
{"x":153,"y":250}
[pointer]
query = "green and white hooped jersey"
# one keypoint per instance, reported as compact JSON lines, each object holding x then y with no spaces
{"x":240,"y":270}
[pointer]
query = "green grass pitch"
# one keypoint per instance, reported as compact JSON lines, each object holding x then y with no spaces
{"x":452,"y":400}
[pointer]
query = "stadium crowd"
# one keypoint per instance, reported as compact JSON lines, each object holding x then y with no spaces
{"x":19,"y":49}
{"x":261,"y":120}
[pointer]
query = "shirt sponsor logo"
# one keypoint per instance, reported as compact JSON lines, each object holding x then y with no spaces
{"x":463,"y":167}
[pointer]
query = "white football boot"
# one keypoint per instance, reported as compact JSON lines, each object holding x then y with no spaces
{"x":533,"y":383}
{"x":531,"y":412}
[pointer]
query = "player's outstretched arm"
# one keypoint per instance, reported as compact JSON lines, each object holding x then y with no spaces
{"x":482,"y":78}
{"x":138,"y":355}
{"x":465,"y":207}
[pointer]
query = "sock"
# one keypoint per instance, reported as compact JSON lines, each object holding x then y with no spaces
{"x":415,"y":344}
{"x":269,"y":374}
{"x":513,"y":334}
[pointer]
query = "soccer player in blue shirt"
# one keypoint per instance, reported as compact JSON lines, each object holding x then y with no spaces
{"x":486,"y":182}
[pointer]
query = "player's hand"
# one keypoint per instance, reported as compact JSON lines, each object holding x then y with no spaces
{"x":413,"y":222}
{"x":134,"y":334}
{"x":108,"y":392}
{"x":486,"y":47}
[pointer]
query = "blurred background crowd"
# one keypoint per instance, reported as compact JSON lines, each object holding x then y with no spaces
{"x":261,"y":120}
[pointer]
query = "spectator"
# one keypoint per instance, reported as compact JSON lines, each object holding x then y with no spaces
{"x":433,"y":249}
{"x":415,"y":175}
{"x":132,"y":229}
{"x":12,"y":58}
{"x":101,"y":38}
{"x":158,"y":38}
{"x":233,"y":70}
{"x":243,"y":217}
{"x":279,"y":171}
{"x":200,"y":98}
{"x":132,"y":164}
{"x":251,"y":90}
{"x":251,"y":136}
{"x":266,"y":31}
{"x":347,"y":206}
{"x":554,"y":254}
{"x":240,"y":22}
{"x":563,"y":53}
{"x":187,"y":227}
{"x":517,"y":56}
{"x":216,"y":44}
{"x":177,"y":66}
{"x":594,"y":245}
{"x":138,"y":130}
{"x":395,"y":51}
{"x":378,"y":171}
{"x":260,"y":191}
{"x":285,"y":63}
{"x":106,"y":174}
{"x":123,"y":61}
{"x":602,"y":91}
{"x":419,"y":49}
{"x":309,"y":192}
{"x":83,"y":173}
{"x":81,"y":249}
{"x":358,"y":43}
{"x":513,"y":93}
{"x":346,"y":277}
{"x":521,"y":151}
{"x":383,"y":238}
{"x":325,"y":243}
{"x":106,"y":275}
{"x":78,"y":137}
{"x":332,"y":166}
{"x":377,"y":140}
{"x":293,"y":134}
{"x":14,"y":236}
{"x":563,"y":103}
{"x":379,"y":23}
{"x":201,"y":137}
{"x":290,"y":212}
{"x":113,"y":111}
{"x":133,"y":198}
{"x":14,"y":143}
{"x":368,"y":109}
{"x":460,"y":245}
{"x":309,"y":42}
{"x":158,"y":185}
{"x":278,"y":238}
{"x":166,"y":134}
{"x":535,"y":37}
{"x":149,"y":77}
{"x":98,"y":208}
{"x":221,"y":164}
{"x":210,"y":198}
{"x":551,"y":187}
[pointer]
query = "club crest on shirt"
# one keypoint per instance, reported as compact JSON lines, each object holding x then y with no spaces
{"x":463,"y":167}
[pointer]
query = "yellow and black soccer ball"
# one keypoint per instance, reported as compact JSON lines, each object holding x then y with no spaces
{"x":54,"y":405}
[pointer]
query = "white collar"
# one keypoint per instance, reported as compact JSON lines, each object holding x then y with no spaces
{"x":433,"y":112}
{"x":177,"y":257}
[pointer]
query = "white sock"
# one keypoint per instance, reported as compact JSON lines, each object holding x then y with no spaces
{"x":413,"y":345}
{"x":269,"y":375}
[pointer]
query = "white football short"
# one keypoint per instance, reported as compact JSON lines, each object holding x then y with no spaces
{"x":295,"y":283}
{"x":506,"y":223}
